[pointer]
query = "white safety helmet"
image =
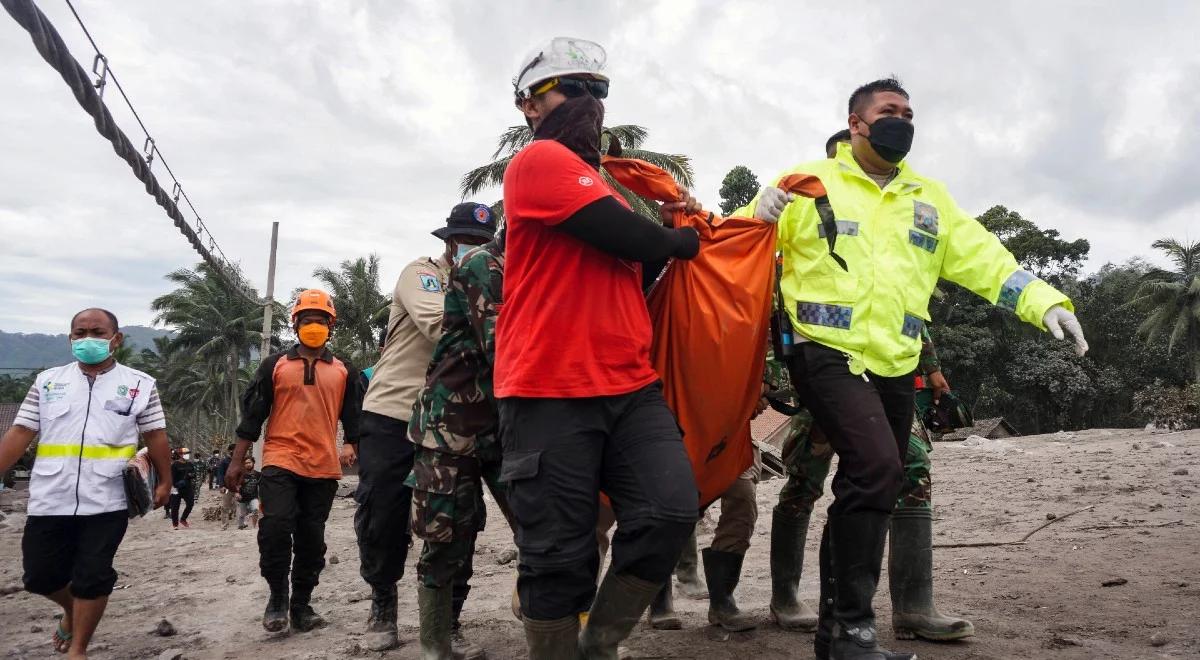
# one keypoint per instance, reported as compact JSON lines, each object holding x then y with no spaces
{"x":561,"y":56}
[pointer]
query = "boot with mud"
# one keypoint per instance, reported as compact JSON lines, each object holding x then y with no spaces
{"x":787,"y":563}
{"x":463,"y":648}
{"x":275,"y":618}
{"x":557,"y":639}
{"x":910,"y":578}
{"x":304,"y":618}
{"x":686,"y":572}
{"x":459,"y":644}
{"x":618,"y":606}
{"x":437,"y":613}
{"x":662,"y":611}
{"x":856,"y":553}
{"x":723,"y":570}
{"x":381,"y":624}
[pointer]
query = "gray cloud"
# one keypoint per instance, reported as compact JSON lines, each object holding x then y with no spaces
{"x":351,"y":123}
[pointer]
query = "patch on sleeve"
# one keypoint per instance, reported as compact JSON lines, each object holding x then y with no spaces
{"x":430,"y":283}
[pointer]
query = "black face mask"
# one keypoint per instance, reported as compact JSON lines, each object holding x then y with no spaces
{"x":576,"y":124}
{"x":891,"y":137}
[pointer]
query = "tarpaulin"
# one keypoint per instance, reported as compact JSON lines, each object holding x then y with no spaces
{"x":710,"y":327}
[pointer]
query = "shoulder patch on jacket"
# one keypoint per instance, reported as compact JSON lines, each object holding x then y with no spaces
{"x":429,"y":282}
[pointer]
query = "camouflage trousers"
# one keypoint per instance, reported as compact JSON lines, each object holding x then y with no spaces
{"x":807,"y":455}
{"x":448,"y":510}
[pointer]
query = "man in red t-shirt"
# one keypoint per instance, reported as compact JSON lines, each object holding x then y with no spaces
{"x":581,"y":409}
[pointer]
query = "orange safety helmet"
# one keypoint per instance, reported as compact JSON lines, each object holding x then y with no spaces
{"x":314,"y":299}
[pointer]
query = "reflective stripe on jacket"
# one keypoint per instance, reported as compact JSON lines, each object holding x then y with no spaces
{"x":896,"y":243}
{"x":88,"y":432}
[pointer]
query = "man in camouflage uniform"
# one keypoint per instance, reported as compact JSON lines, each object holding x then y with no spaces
{"x":453,"y":427}
{"x":806,"y":457}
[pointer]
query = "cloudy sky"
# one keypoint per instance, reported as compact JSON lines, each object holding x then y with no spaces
{"x":351,"y":123}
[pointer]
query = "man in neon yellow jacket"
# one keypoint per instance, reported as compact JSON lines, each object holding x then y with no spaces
{"x":859,"y":266}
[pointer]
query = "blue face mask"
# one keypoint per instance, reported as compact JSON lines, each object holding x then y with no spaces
{"x":462,"y":249}
{"x":91,"y":350}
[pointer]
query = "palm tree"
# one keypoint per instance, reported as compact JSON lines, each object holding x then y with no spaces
{"x":361,"y":308}
{"x":629,"y":137}
{"x":216,"y":328}
{"x":1172,"y":297}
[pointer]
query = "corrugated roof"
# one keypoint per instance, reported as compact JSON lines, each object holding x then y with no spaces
{"x":8,"y":413}
{"x":982,"y":428}
{"x":766,"y":424}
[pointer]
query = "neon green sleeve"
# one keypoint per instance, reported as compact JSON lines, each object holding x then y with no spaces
{"x":977,"y":260}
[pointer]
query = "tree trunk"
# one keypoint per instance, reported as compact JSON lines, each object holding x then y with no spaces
{"x":232,"y":409}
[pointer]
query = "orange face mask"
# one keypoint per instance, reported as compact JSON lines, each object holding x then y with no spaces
{"x":313,"y":335}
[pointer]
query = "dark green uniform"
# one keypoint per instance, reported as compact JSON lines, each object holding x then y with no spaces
{"x":454,"y":422}
{"x":807,"y":455}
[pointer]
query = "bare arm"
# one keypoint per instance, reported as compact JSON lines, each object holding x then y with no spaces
{"x":233,"y":473}
{"x":13,"y":445}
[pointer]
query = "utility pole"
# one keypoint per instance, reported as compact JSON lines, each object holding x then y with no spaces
{"x":268,"y":310}
{"x":269,"y":307}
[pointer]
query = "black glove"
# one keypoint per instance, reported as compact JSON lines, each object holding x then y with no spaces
{"x":687,"y":243}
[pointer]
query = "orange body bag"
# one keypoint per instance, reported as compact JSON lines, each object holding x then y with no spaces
{"x":710,"y":316}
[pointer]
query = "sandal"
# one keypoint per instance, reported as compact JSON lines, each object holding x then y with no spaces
{"x":61,"y":639}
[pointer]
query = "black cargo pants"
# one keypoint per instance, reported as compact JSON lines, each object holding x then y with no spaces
{"x":295,"y":509}
{"x":381,"y":522}
{"x":385,"y":457}
{"x":559,"y":454}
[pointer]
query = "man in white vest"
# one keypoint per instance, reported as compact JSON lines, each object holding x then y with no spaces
{"x":89,"y":414}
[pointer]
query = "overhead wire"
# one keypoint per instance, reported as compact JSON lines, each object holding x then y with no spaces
{"x":89,"y":95}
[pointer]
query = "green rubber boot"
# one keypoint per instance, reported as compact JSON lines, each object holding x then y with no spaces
{"x":437,"y":614}
{"x":787,"y":563}
{"x":910,"y":576}
{"x":618,"y":606}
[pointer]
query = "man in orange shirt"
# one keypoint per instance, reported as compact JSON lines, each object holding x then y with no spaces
{"x":301,"y":394}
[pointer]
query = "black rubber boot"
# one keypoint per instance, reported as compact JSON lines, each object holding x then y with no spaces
{"x":910,"y":578}
{"x":619,"y":604}
{"x":662,"y":611}
{"x":856,"y":550}
{"x":787,"y":564}
{"x":381,"y":624}
{"x":722,"y":570}
{"x":824,"y":634}
{"x":553,"y":640}
{"x":436,"y":612}
{"x":275,"y":618}
{"x":304,"y":618}
{"x":686,"y":571}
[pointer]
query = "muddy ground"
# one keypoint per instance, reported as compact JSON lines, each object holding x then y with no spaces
{"x":1043,"y":599}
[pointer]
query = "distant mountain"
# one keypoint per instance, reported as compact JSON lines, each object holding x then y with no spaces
{"x":35,"y":351}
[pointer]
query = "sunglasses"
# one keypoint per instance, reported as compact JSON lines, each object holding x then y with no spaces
{"x":574,"y":87}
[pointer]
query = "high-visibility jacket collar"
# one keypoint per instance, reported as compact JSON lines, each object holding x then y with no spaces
{"x":905,"y":180}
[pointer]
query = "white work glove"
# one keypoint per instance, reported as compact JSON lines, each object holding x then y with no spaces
{"x":1058,"y":319}
{"x":771,"y":203}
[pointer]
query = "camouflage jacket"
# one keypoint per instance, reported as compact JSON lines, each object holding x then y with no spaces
{"x":457,"y":402}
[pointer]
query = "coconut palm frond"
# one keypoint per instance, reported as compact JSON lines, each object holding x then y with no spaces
{"x":512,"y":140}
{"x":677,"y":165}
{"x":629,"y":135}
{"x":485,"y":176}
